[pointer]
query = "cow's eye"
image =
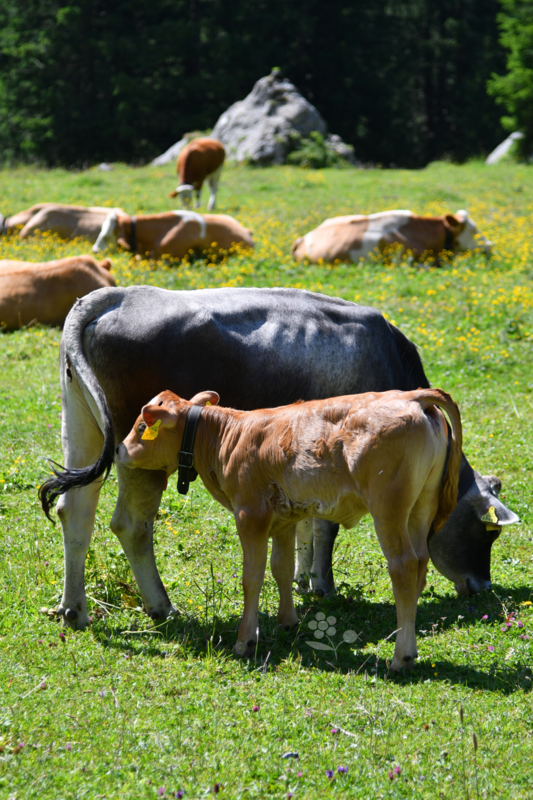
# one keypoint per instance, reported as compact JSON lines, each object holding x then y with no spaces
{"x":142,"y":427}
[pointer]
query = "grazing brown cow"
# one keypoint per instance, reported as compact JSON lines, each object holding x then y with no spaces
{"x":356,"y":237}
{"x":173,"y":233}
{"x":338,"y":459}
{"x":68,"y":222}
{"x":199,"y":160}
{"x":46,"y":292}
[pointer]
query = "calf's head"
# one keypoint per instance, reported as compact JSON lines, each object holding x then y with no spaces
{"x":184,"y":192}
{"x":108,"y":233}
{"x":460,"y":550}
{"x":155,"y":439}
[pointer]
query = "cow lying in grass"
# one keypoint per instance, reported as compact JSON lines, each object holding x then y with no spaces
{"x":382,"y":453}
{"x":357,"y":237}
{"x":47,"y":291}
{"x":173,"y":233}
{"x":68,"y":222}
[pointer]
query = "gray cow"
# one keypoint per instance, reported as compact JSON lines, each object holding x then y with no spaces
{"x":257,"y":348}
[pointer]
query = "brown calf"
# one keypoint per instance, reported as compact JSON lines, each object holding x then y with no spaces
{"x":357,"y":237}
{"x":199,"y":160}
{"x":68,"y":222}
{"x":173,"y":233}
{"x":337,"y":459}
{"x":46,"y":292}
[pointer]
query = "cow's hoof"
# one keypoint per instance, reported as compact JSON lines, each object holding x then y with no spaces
{"x":406,"y":662}
{"x":302,"y":586}
{"x":245,"y":649}
{"x":320,"y":593}
{"x":72,"y":618}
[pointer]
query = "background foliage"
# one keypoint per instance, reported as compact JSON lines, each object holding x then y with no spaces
{"x":403,"y":81}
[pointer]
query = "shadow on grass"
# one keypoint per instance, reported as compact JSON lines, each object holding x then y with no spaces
{"x":373,"y":621}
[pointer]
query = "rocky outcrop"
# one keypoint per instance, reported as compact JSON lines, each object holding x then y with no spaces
{"x":261,"y":128}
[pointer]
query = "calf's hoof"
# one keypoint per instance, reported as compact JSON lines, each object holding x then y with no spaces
{"x":302,"y":586}
{"x":245,"y":649}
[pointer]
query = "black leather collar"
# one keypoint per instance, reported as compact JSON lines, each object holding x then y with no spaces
{"x":448,"y":238}
{"x":186,"y":470}
{"x":133,"y":234}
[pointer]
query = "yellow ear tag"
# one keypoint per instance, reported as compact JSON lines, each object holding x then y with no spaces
{"x":209,"y":403}
{"x":490,"y":516}
{"x":151,"y":433}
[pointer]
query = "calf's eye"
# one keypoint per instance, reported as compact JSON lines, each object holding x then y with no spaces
{"x":141,"y":428}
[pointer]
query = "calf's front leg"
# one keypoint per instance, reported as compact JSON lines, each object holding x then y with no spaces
{"x":282,"y":565}
{"x":253,"y":533}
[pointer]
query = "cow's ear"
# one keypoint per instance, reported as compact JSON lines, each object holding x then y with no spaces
{"x":492,"y":511}
{"x":205,"y":399}
{"x":451,"y":221}
{"x":173,"y":194}
{"x":152,"y":413}
{"x":123,"y":243}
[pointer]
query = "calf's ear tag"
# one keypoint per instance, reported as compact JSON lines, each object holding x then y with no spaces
{"x":490,"y":516}
{"x":151,"y":433}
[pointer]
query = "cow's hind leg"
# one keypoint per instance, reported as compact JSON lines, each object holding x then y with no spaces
{"x":139,"y":497}
{"x":324,"y":535}
{"x":282,"y":566}
{"x":82,"y":442}
{"x":403,"y":564}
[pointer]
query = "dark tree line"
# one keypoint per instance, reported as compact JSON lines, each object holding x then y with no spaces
{"x":404,"y":81}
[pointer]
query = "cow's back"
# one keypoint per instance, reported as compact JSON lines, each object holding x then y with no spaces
{"x":199,"y":158}
{"x":256,"y":347}
{"x":46,"y":292}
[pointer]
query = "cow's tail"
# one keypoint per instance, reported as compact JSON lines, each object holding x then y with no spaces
{"x":74,"y":358}
{"x":450,"y":482}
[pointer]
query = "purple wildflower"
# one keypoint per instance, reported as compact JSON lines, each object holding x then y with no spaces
{"x":334,"y":731}
{"x":46,"y":563}
{"x":490,"y":648}
{"x":68,"y":746}
{"x":391,"y":776}
{"x":255,"y":708}
{"x":43,"y":685}
{"x":62,"y":636}
{"x":397,"y":770}
{"x":329,"y":773}
{"x":161,"y":791}
{"x":485,"y":616}
{"x":300,"y":774}
{"x":503,"y":629}
{"x":180,"y":794}
{"x":340,"y":770}
{"x":519,"y":624}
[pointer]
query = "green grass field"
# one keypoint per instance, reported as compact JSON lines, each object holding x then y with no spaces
{"x":135,"y":710}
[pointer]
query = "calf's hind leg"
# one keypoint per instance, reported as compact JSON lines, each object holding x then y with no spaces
{"x":139,"y":497}
{"x":253,"y":532}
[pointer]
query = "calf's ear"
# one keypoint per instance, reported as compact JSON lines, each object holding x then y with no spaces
{"x":205,"y":399}
{"x":152,"y":413}
{"x":493,"y":511}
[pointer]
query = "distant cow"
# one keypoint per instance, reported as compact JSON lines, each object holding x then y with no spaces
{"x":68,"y":222}
{"x":336,"y":459}
{"x":200,"y":160}
{"x":356,"y":237}
{"x":46,"y":292}
{"x":173,"y":233}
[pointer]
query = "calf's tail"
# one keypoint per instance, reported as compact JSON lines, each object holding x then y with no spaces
{"x":450,"y":483}
{"x":74,"y":358}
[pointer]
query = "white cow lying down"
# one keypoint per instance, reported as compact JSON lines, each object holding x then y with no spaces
{"x":68,"y":222}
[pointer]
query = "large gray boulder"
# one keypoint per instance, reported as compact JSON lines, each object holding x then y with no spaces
{"x":259,"y":128}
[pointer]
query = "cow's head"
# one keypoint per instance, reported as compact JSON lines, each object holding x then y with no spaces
{"x":460,"y":550}
{"x":155,"y":439}
{"x":108,"y":233}
{"x":298,"y":250}
{"x":184,"y":192}
{"x":466,"y":233}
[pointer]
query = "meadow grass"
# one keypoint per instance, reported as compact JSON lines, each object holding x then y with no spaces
{"x":133,"y":709}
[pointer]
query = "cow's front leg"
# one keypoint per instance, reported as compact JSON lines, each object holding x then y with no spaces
{"x":139,"y":497}
{"x":403,"y":565}
{"x":324,"y":535}
{"x":282,"y":566}
{"x":253,"y":533}
{"x":304,"y":554}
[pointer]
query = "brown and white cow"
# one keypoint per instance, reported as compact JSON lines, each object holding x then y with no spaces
{"x":173,"y":233}
{"x":336,"y":459}
{"x":356,"y":237}
{"x":46,"y":292}
{"x":68,"y":222}
{"x":200,"y":160}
